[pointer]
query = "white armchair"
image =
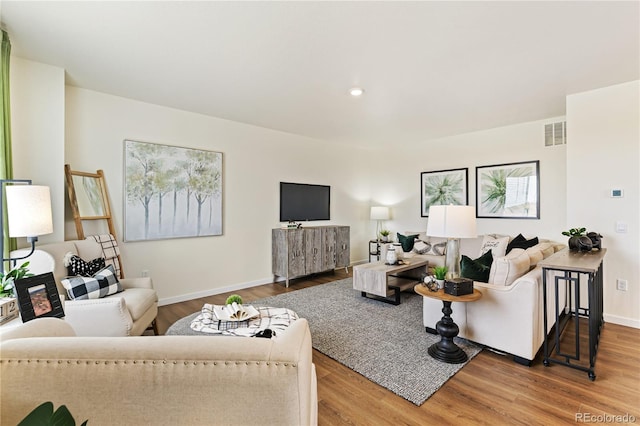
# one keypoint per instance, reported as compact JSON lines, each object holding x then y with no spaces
{"x":128,"y":313}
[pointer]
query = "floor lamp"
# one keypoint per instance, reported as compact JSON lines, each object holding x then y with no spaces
{"x":379,"y":213}
{"x":453,"y":223}
{"x":28,"y":213}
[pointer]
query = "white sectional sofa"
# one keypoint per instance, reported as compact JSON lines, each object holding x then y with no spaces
{"x":509,"y":316}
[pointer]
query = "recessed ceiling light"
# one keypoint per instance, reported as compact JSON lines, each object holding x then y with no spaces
{"x":356,"y":91}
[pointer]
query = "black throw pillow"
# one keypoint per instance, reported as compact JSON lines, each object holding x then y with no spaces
{"x":406,"y":241}
{"x":521,"y":242}
{"x":77,"y":266}
{"x":476,"y":269}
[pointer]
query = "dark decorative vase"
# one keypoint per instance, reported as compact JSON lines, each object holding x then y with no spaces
{"x":581,"y":243}
{"x":596,"y":240}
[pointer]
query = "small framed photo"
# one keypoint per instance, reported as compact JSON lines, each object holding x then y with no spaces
{"x":508,"y":191}
{"x":443,"y":187}
{"x":38,"y":297}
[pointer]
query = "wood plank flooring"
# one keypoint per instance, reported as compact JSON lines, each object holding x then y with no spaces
{"x":491,"y":389}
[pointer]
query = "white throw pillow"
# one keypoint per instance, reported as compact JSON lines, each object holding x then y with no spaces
{"x":547,"y":249}
{"x":506,"y":269}
{"x":535,"y":256}
{"x":498,"y":246}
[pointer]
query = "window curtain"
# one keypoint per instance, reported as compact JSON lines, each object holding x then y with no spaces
{"x":6,"y":166}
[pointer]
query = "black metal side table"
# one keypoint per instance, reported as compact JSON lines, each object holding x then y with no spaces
{"x":568,"y":268}
{"x":374,"y":249}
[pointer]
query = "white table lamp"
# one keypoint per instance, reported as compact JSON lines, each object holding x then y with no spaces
{"x":379,"y":213}
{"x":28,"y":212}
{"x":453,"y":223}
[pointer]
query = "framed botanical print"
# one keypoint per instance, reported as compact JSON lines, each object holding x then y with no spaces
{"x":508,"y":191}
{"x":443,"y":187}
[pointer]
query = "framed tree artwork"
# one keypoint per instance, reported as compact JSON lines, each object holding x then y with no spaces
{"x":443,"y":187}
{"x":171,"y":192}
{"x":508,"y":191}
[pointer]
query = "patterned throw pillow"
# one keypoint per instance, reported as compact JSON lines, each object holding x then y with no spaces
{"x":102,"y":284}
{"x":497,"y":245}
{"x":431,"y":246}
{"x":76,"y":266}
{"x":420,"y":246}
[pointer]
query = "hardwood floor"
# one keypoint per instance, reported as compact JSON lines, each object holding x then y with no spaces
{"x":490,"y":390}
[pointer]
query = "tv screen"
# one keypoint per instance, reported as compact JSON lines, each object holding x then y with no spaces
{"x":300,"y":202}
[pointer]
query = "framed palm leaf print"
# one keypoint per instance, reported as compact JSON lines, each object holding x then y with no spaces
{"x":508,"y":191}
{"x":443,"y":187}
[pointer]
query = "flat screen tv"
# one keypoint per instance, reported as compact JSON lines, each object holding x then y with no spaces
{"x":301,"y":202}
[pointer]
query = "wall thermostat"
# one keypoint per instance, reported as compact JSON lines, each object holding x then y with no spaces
{"x":617,"y":193}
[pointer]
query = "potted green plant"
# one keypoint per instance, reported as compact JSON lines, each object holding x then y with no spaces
{"x":384,"y":235}
{"x":233,"y":298}
{"x":440,"y":272}
{"x":7,"y":280}
{"x":44,"y":415}
{"x":574,"y":235}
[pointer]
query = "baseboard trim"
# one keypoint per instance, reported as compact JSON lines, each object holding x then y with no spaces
{"x":234,"y":287}
{"x":627,"y":322}
{"x":213,"y":291}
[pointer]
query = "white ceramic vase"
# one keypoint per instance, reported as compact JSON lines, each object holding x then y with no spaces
{"x":392,"y":256}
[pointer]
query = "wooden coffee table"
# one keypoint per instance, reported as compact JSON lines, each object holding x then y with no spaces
{"x":383,"y":282}
{"x":446,"y":350}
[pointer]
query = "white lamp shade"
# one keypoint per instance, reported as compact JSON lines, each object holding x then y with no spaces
{"x":380,"y":213}
{"x":29,"y":210}
{"x":452,"y":222}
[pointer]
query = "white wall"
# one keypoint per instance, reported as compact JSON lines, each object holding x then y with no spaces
{"x":86,"y":129}
{"x":397,"y":180}
{"x":255,"y":160}
{"x":37,"y":127}
{"x":603,"y":154}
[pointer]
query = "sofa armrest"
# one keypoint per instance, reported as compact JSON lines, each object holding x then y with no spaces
{"x":294,"y":345}
{"x":141,"y":282}
{"x":99,"y":317}
{"x":508,"y":318}
{"x":40,"y":327}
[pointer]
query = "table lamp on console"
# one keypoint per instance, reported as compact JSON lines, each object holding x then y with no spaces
{"x":379,"y":214}
{"x":453,"y":223}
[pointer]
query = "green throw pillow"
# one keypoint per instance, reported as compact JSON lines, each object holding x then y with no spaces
{"x":406,"y":241}
{"x":476,"y":269}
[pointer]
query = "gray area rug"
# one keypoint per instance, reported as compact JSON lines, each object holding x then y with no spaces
{"x":387,"y":344}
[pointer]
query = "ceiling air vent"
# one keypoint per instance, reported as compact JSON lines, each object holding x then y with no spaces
{"x":555,"y":133}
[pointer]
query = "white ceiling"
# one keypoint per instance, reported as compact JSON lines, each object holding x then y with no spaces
{"x":429,"y":69}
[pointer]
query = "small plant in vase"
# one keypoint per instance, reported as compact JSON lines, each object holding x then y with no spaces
{"x":440,"y":272}
{"x":7,"y":281}
{"x":575,"y":234}
{"x":233,"y":298}
{"x":384,"y":235}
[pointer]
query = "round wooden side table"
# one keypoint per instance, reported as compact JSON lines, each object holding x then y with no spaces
{"x":446,"y":350}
